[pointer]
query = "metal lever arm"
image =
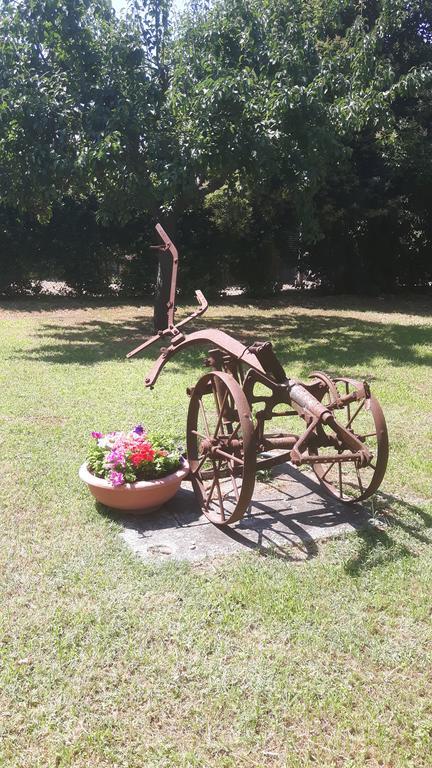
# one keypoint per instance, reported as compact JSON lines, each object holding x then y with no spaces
{"x":203,"y":306}
{"x":216,"y":338}
{"x":173,"y":330}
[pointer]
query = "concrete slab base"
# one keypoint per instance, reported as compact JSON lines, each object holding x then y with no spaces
{"x":287,"y":516}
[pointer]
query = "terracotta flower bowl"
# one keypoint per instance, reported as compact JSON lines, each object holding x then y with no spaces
{"x":141,"y":497}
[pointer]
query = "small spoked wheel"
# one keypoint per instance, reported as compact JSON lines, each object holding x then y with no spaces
{"x":348,"y":480}
{"x":221,"y":447}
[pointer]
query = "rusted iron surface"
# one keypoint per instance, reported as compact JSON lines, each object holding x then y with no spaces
{"x":334,"y":424}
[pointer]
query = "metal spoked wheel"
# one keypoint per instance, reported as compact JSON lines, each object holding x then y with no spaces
{"x":221,"y":447}
{"x":347,"y":480}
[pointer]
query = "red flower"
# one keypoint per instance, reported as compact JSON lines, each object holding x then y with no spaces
{"x":144,"y":453}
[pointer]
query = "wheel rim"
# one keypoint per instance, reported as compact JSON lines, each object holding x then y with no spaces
{"x":221,"y":448}
{"x":348,"y":481}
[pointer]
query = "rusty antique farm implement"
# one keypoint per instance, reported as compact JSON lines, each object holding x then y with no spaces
{"x":335,"y":425}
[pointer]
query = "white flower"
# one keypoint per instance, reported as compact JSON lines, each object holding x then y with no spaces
{"x":106,"y":442}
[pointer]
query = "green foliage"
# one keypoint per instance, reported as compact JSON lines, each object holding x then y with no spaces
{"x":323,"y":111}
{"x":263,"y":122}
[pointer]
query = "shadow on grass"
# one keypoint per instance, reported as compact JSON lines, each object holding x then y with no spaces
{"x":402,"y":526}
{"x":335,"y":344}
{"x":89,"y":342}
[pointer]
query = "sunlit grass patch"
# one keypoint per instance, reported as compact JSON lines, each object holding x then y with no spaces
{"x":247,"y":661}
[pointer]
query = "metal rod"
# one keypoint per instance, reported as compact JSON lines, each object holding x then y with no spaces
{"x":198,"y":434}
{"x":228,"y":456}
{"x":359,"y":479}
{"x":221,"y":506}
{"x":328,"y":470}
{"x":348,"y":403}
{"x":340,"y":479}
{"x":201,"y":462}
{"x":355,"y":414}
{"x":234,"y":484}
{"x":233,"y":434}
{"x":220,"y":413}
{"x":204,"y":415}
{"x":208,"y":499}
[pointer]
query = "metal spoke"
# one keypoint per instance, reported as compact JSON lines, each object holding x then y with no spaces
{"x":340,"y":479}
{"x":210,"y":493}
{"x":359,"y":478}
{"x":198,"y":434}
{"x":220,"y":413}
{"x":234,"y":484}
{"x":216,"y":476}
{"x":218,"y":409}
{"x":355,"y":414}
{"x":204,"y":415}
{"x":221,"y":506}
{"x":202,"y":461}
{"x":233,"y":434}
{"x":348,"y":404}
{"x":328,"y":469}
{"x":228,"y":456}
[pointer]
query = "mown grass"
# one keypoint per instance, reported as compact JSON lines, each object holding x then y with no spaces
{"x":250,"y":661}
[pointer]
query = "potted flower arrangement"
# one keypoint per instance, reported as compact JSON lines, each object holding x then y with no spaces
{"x":133,"y":470}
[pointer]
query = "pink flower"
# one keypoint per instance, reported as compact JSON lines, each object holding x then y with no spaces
{"x":96,"y":435}
{"x":116,"y":478}
{"x":115,"y":457}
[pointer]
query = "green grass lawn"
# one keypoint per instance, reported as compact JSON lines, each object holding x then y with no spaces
{"x":250,"y":661}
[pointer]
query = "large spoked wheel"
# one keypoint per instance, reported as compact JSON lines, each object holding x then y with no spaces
{"x":347,"y":480}
{"x":221,"y":448}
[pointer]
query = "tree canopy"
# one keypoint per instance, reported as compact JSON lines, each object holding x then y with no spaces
{"x":258,"y":131}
